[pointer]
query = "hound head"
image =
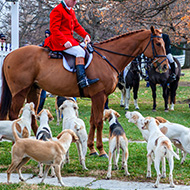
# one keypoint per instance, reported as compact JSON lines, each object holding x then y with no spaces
{"x":150,"y":122}
{"x":134,"y":117}
{"x":69,"y":104}
{"x":68,"y":132}
{"x":28,"y":106}
{"x":47,"y":112}
{"x":109,"y":114}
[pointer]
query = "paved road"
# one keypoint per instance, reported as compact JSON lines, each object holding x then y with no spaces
{"x":91,"y":183}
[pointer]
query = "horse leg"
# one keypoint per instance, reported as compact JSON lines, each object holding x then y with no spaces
{"x":153,"y":88}
{"x":34,"y":96}
{"x":96,"y":121}
{"x":135,"y":94}
{"x":123,"y":92}
{"x":127,"y":98}
{"x":165,"y":95}
{"x":173,"y":88}
{"x":17,"y":103}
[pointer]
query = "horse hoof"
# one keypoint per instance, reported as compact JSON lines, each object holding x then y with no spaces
{"x":154,"y":110}
{"x":166,"y":110}
{"x":126,"y":108}
{"x":104,"y":156}
{"x":121,"y":105}
{"x":94,"y":154}
{"x":137,"y":108}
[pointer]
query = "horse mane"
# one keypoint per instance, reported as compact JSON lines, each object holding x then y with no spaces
{"x":120,"y":36}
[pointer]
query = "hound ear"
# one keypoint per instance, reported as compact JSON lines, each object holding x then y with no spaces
{"x":105,"y":115}
{"x":62,"y":107}
{"x":75,"y":106}
{"x":157,"y":122}
{"x":50,"y":116}
{"x":39,"y":115}
{"x":146,"y":121}
{"x":161,"y":119}
{"x":20,"y":112}
{"x":74,"y":136}
{"x":60,"y":134}
{"x":117,"y":114}
{"x":32,"y":104}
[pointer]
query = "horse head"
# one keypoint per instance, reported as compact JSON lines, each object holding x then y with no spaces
{"x":156,"y":50}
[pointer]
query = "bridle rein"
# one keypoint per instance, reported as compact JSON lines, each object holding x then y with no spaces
{"x":155,"y":55}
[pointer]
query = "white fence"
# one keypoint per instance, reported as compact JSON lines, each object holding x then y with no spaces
{"x":181,"y":59}
{"x":4,"y":50}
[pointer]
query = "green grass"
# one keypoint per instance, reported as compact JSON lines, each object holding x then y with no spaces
{"x":137,"y":151}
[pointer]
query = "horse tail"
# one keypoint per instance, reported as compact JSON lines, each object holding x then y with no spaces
{"x":6,"y":98}
{"x":179,"y":67}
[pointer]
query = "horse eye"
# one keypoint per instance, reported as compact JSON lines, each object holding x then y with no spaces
{"x":158,"y":44}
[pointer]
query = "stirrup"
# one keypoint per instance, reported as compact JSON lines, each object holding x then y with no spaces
{"x":87,"y":82}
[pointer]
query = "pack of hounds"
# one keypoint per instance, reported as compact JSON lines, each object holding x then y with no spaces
{"x":157,"y":132}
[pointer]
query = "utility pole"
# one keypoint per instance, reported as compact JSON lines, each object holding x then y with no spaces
{"x":14,"y":24}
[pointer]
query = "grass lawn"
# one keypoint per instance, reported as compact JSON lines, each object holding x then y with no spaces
{"x":137,"y":151}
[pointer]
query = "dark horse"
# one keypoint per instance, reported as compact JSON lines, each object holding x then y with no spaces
{"x":169,"y":91}
{"x":131,"y":80}
{"x":28,"y":69}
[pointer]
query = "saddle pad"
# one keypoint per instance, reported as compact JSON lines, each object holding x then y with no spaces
{"x":73,"y":68}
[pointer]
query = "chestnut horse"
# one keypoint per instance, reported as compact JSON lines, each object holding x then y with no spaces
{"x":28,"y":69}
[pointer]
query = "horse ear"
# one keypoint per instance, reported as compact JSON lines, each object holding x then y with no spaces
{"x":152,"y":29}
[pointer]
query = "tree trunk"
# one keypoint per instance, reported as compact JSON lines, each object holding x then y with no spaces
{"x":187,"y":58}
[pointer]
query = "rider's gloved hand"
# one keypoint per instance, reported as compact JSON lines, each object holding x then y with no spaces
{"x":68,"y":44}
{"x":87,"y":39}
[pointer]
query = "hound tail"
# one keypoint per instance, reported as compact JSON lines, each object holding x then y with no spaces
{"x":117,"y":147}
{"x":15,"y":135}
{"x":170,"y":149}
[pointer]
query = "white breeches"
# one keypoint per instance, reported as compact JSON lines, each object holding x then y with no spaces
{"x":77,"y":51}
{"x":170,"y":58}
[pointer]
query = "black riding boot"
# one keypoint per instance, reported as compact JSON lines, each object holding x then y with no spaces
{"x":82,"y":79}
{"x":172,"y":76}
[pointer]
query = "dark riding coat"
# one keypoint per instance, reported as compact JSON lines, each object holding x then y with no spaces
{"x":167,"y":43}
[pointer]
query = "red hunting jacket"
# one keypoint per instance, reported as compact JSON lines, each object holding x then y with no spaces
{"x":63,"y":23}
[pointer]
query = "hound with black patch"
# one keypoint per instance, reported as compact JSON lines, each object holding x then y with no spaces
{"x":44,"y":133}
{"x":161,"y":147}
{"x":117,"y":140}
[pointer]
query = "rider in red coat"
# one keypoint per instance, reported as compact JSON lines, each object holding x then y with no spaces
{"x":63,"y":23}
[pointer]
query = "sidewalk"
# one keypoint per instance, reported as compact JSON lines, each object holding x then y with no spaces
{"x":91,"y":183}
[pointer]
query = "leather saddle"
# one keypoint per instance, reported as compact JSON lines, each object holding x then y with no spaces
{"x":70,"y":58}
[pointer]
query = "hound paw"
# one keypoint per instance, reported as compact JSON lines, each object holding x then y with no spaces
{"x":116,"y":167}
{"x":108,"y":176}
{"x":40,"y":175}
{"x":127,"y":173}
{"x":155,"y":186}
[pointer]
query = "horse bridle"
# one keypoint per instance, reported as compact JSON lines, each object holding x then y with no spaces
{"x":155,"y":55}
